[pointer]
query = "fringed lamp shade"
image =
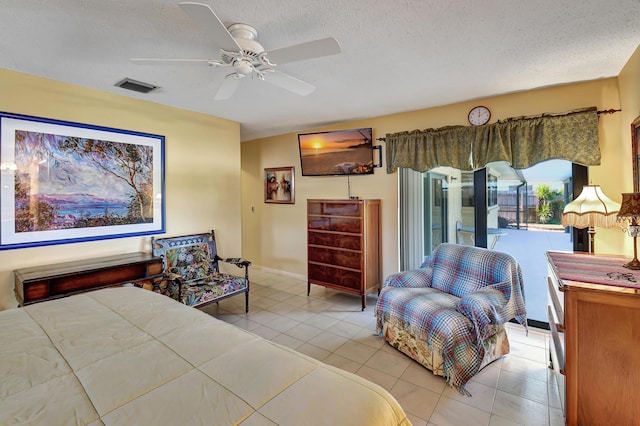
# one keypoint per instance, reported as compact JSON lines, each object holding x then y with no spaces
{"x":629,"y":219}
{"x":630,"y":207}
{"x":591,"y":208}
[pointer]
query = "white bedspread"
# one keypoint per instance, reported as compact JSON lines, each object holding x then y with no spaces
{"x":127,"y":356}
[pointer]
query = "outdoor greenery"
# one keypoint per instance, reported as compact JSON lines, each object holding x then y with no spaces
{"x":550,"y":204}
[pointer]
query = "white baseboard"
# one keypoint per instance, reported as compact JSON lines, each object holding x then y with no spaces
{"x":277,"y":271}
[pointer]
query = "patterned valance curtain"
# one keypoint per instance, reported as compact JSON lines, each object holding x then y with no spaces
{"x":520,"y":141}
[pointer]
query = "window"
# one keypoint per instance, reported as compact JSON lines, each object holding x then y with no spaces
{"x":492,"y":190}
{"x":467,"y":190}
{"x":468,"y":199}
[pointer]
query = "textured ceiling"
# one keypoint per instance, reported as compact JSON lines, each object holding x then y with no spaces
{"x":396,"y":56}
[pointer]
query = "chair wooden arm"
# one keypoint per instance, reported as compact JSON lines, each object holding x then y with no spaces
{"x":238,"y":261}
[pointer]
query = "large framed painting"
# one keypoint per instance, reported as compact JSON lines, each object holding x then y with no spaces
{"x":65,"y":182}
{"x":635,"y":153}
{"x":279,"y":185}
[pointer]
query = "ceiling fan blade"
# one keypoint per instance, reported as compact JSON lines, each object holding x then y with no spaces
{"x":206,"y":18}
{"x":150,"y":61}
{"x":309,"y":50}
{"x":287,"y":82}
{"x":228,"y":87}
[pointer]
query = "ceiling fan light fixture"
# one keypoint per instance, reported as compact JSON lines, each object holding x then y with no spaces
{"x":243,"y":67}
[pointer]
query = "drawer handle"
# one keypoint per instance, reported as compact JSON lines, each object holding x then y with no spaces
{"x":556,"y":304}
{"x":555,"y":342}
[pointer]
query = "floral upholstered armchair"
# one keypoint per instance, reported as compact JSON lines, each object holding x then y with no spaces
{"x":449,"y":314}
{"x":192,"y":273}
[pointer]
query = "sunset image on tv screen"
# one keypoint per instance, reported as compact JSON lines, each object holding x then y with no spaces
{"x":342,"y":152}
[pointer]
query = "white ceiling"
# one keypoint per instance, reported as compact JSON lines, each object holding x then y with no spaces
{"x":398,"y":55}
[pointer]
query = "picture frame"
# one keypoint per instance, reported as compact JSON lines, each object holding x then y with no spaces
{"x":66,"y":182}
{"x":279,"y":185}
{"x":635,"y":153}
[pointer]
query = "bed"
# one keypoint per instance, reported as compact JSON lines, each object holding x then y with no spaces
{"x":125,"y":355}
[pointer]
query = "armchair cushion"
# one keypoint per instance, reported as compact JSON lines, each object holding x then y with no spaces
{"x":189,"y":262}
{"x":212,"y":287}
{"x":460,"y":270}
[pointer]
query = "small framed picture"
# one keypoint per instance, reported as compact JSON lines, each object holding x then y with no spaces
{"x":279,"y":185}
{"x":635,"y":153}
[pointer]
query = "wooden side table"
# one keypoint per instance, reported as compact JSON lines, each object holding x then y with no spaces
{"x":595,"y":326}
{"x":40,"y":283}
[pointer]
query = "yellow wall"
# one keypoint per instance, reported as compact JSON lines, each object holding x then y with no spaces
{"x":274,"y":235}
{"x":629,"y":81}
{"x":202,"y":167}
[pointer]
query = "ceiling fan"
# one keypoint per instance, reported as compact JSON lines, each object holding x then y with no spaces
{"x":240,"y":50}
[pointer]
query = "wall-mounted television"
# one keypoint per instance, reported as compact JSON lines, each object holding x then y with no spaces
{"x":340,"y":152}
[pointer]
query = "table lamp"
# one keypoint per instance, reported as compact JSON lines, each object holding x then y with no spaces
{"x":591,"y":208}
{"x":629,"y":218}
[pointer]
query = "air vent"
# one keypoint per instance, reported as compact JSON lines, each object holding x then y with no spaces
{"x":136,"y":86}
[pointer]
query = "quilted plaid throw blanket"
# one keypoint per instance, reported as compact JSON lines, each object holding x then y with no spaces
{"x":487,"y":291}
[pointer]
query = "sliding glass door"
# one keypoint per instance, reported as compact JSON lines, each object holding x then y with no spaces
{"x":436,"y":206}
{"x":514,"y":211}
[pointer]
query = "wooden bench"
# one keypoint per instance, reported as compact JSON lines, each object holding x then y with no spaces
{"x":192,"y":273}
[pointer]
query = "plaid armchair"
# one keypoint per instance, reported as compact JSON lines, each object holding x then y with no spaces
{"x":449,"y":314}
{"x":192,"y":273}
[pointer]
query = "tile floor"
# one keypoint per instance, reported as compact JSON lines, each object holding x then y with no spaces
{"x":517,"y":389}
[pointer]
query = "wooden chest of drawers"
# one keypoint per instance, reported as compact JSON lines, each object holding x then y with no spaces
{"x":343,"y":245}
{"x":40,"y":283}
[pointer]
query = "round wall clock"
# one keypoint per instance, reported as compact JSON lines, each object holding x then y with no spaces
{"x":479,"y":115}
